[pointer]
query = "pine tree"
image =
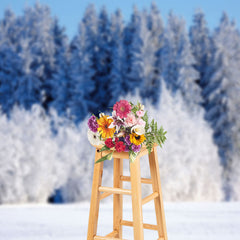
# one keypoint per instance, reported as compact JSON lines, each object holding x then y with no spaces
{"x":37,"y":31}
{"x":152,"y":88}
{"x":201,"y":46}
{"x":89,"y":29}
{"x":177,"y":61}
{"x":103,"y":61}
{"x":9,"y":61}
{"x":60,"y":80}
{"x":116,"y":71}
{"x":81,"y":73}
{"x":128,"y":35}
{"x":9,"y":27}
{"x":143,"y":57}
{"x":222,"y":91}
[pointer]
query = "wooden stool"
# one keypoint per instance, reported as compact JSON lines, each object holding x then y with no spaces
{"x":99,"y":192}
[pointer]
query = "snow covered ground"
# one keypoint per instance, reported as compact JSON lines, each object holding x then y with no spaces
{"x":185,"y":221}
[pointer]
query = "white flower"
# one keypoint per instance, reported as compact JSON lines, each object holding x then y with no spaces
{"x":138,"y":129}
{"x":94,"y":138}
{"x":117,"y":121}
{"x":141,"y":106}
{"x":101,"y":115}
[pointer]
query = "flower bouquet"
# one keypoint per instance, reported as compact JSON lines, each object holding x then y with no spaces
{"x":126,"y":130}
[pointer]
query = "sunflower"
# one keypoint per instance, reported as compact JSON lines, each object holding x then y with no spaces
{"x":104,"y":122}
{"x":137,"y":139}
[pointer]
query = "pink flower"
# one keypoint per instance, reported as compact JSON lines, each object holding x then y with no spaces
{"x":122,"y":108}
{"x":141,"y":122}
{"x":140,"y":113}
{"x":130,"y":120}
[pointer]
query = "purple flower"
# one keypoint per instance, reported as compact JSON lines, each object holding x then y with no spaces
{"x":126,"y":148}
{"x":92,"y":124}
{"x":136,"y":148}
{"x":127,"y":140}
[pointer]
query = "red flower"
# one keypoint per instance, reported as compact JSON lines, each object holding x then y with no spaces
{"x":109,"y":143}
{"x":120,"y":147}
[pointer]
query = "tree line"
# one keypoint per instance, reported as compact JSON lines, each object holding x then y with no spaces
{"x":109,"y":57}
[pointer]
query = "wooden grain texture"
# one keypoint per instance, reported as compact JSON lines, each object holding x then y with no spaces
{"x":95,"y":198}
{"x":104,"y":195}
{"x":112,"y":234}
{"x":158,"y":202}
{"x":150,"y":197}
{"x":143,"y":180}
{"x":115,"y":190}
{"x":136,"y":199}
{"x":117,"y":198}
{"x":145,"y":225}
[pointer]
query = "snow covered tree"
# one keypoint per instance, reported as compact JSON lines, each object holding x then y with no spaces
{"x":186,"y":166}
{"x":234,"y":170}
{"x":128,"y":35}
{"x":88,"y":33}
{"x":9,"y":61}
{"x":177,"y":62}
{"x":103,"y":61}
{"x":116,"y":72}
{"x":27,"y":91}
{"x":37,"y":32}
{"x":152,"y":88}
{"x":143,"y":45}
{"x":201,"y":45}
{"x":60,"y":81}
{"x":31,"y":161}
{"x":221,"y":94}
{"x":81,"y":74}
{"x":8,"y":26}
{"x":143,"y":57}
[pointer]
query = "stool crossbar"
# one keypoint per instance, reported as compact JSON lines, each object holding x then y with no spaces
{"x":100,"y":192}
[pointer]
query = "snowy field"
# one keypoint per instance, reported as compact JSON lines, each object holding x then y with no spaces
{"x":185,"y":221}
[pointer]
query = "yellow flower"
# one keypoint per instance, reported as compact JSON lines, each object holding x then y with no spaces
{"x":104,"y":122}
{"x":137,"y":139}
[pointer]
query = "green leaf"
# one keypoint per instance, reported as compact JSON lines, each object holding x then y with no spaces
{"x":132,"y":156}
{"x":131,"y":104}
{"x":145,"y":119}
{"x":104,"y":148}
{"x":134,"y":109}
{"x":109,"y":156}
{"x":106,"y":157}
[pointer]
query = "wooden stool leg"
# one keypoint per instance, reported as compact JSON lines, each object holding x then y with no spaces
{"x":136,"y":199}
{"x":117,"y":198}
{"x":156,"y":184}
{"x":95,"y":197}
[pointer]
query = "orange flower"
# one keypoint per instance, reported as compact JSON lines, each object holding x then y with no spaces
{"x":104,"y":130}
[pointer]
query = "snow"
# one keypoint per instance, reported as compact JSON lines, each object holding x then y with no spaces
{"x":185,"y":221}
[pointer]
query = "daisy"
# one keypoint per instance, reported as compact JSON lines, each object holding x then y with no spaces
{"x":94,"y":138}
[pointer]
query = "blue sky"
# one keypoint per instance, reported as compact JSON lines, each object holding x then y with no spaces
{"x":69,"y":12}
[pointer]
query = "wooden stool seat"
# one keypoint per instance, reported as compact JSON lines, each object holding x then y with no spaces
{"x":100,"y":192}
